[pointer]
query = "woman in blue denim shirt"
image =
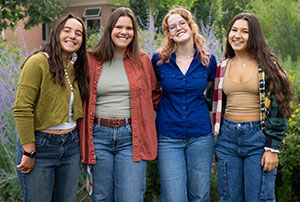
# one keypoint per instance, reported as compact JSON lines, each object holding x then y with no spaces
{"x":185,"y":142}
{"x":251,"y":107}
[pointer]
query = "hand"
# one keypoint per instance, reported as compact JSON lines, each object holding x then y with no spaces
{"x":269,"y":161}
{"x":27,"y":163}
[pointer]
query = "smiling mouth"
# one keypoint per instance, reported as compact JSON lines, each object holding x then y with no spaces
{"x":180,"y":33}
{"x":237,"y":42}
{"x":122,"y":38}
{"x":70,"y":43}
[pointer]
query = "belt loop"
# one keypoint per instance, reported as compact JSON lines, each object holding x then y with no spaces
{"x":126,"y":121}
{"x":251,"y":125}
{"x":98,"y":120}
{"x":227,"y":123}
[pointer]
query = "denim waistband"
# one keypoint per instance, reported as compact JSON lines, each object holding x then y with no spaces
{"x":245,"y":125}
{"x":59,"y":135}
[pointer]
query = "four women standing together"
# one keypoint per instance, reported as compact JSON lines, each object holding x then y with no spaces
{"x":116,"y":124}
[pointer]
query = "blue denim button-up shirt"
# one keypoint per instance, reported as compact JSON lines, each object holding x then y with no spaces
{"x":182,"y":109}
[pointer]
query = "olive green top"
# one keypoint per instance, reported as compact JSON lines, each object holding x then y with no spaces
{"x":40,"y":103}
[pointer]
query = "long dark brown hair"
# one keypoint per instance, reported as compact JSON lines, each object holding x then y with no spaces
{"x":277,"y":78}
{"x":54,"y":49}
{"x":104,"y":50}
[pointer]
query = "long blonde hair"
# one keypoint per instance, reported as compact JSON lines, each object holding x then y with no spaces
{"x":170,"y":46}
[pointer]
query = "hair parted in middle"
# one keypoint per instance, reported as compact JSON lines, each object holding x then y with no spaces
{"x":104,"y":50}
{"x":55,"y":51}
{"x":277,"y":78}
{"x":170,"y":46}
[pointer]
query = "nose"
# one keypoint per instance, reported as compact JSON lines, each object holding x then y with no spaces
{"x":238,"y":34}
{"x":124,"y":30}
{"x":72,"y":34}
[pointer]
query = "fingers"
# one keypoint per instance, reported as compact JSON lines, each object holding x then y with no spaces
{"x":26,"y":164}
{"x":269,"y":166}
{"x":269,"y":161}
{"x":24,"y":169}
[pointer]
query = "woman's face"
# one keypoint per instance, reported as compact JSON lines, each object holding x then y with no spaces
{"x":122,"y":33}
{"x":239,"y":35}
{"x":71,"y":36}
{"x":179,"y":29}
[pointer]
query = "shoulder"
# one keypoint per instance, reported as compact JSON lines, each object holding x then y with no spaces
{"x":144,"y":56}
{"x":39,"y":57}
{"x":212,"y":61}
{"x":91,"y":57}
{"x":155,"y":58}
{"x":223,"y":62}
{"x":36,"y":62}
{"x":212,"y":58}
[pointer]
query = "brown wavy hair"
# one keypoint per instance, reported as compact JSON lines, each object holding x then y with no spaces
{"x":54,"y":49}
{"x":104,"y":50}
{"x":170,"y":46}
{"x":277,"y":78}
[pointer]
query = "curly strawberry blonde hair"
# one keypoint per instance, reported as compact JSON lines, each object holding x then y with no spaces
{"x":170,"y":46}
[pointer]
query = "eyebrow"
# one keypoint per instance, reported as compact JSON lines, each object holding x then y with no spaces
{"x":68,"y":27}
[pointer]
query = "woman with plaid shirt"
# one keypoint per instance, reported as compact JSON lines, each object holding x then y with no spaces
{"x":250,"y":113}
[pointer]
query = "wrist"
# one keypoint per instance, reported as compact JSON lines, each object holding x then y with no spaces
{"x":31,"y":154}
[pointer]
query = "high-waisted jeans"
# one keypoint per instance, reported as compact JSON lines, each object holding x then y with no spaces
{"x":185,"y":168}
{"x":116,"y":177}
{"x":56,"y":170}
{"x":239,"y":149}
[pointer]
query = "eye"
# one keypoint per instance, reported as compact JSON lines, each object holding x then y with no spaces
{"x":78,"y":34}
{"x":172,"y":27}
{"x":66,"y":30}
{"x":182,"y":23}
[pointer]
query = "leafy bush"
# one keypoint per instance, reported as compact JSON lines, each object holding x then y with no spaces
{"x":288,"y":179}
{"x":10,"y":60}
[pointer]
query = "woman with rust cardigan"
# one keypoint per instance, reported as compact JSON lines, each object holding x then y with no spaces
{"x":118,"y":131}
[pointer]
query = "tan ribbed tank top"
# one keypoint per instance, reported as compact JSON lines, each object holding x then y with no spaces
{"x":242,"y":98}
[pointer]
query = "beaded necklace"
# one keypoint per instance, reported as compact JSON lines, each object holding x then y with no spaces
{"x":67,"y":76}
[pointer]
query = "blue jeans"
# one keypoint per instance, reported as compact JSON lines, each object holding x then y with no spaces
{"x":116,"y":177}
{"x":239,"y":150}
{"x":185,"y":168}
{"x":56,"y":170}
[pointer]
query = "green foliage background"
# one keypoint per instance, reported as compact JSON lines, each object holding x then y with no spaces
{"x":280,"y":21}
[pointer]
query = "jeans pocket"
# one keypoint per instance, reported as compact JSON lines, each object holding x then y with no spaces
{"x":222,"y":178}
{"x":267,"y":191}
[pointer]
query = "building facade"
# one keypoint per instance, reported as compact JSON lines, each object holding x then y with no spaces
{"x":95,"y":13}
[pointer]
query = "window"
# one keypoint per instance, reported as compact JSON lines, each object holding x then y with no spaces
{"x":92,"y":18}
{"x":2,"y":38}
{"x":112,"y":9}
{"x":45,"y":31}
